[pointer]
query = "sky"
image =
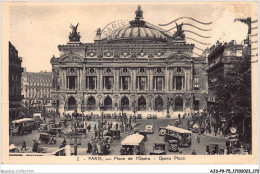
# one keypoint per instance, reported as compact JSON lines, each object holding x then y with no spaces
{"x":36,"y":29}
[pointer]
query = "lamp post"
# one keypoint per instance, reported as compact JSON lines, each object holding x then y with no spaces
{"x":102,"y":119}
{"x":134,"y":103}
{"x":75,"y":134}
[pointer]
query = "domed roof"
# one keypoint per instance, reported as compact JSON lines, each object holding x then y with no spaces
{"x":138,"y":29}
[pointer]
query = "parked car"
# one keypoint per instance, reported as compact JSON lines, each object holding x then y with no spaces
{"x":154,"y":116}
{"x":149,"y":129}
{"x":149,"y":116}
{"x":139,"y":116}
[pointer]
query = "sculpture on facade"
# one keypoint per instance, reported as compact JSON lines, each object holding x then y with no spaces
{"x":74,"y":35}
{"x":179,"y":34}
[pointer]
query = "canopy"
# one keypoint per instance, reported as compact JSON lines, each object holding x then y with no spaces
{"x":22,"y":120}
{"x":134,"y":140}
{"x":177,"y":129}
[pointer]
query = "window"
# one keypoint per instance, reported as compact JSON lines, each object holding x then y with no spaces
{"x":196,"y":105}
{"x":141,"y":83}
{"x":178,"y":70}
{"x":108,"y":82}
{"x":196,"y":87}
{"x":91,"y":82}
{"x":178,"y":83}
{"x":158,"y":83}
{"x":142,"y":70}
{"x":71,"y":82}
{"x":125,"y":83}
{"x":196,"y":83}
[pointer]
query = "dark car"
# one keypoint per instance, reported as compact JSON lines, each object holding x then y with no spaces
{"x":45,"y":137}
{"x":115,"y":134}
{"x":159,"y":148}
{"x":139,"y":116}
{"x":154,"y":116}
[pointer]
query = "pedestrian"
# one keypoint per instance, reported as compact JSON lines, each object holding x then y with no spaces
{"x":193,"y":152}
{"x":179,"y":116}
{"x":23,"y":145}
{"x":198,"y":138}
{"x":95,"y":133}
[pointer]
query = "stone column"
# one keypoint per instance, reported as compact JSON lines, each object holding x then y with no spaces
{"x":101,"y":80}
{"x":98,"y":79}
{"x":151,"y":79}
{"x":134,"y":79}
{"x":167,"y":79}
{"x":83,"y":78}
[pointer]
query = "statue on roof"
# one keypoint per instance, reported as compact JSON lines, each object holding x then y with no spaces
{"x":74,"y":35}
{"x":179,"y":34}
{"x":139,"y":13}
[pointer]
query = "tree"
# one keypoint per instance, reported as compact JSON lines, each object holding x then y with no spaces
{"x":233,"y":90}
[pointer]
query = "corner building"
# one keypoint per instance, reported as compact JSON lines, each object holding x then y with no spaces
{"x":138,"y":67}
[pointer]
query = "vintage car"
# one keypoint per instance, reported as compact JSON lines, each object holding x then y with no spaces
{"x":56,"y":131}
{"x":139,"y":116}
{"x":115,"y":134}
{"x":133,"y":145}
{"x":46,"y":138}
{"x":162,"y":131}
{"x":212,"y":149}
{"x":173,"y":146}
{"x":149,"y":116}
{"x":195,"y":128}
{"x":68,"y":117}
{"x":42,"y":128}
{"x":38,"y":148}
{"x":149,"y":129}
{"x":159,"y":148}
{"x":144,"y":133}
{"x":13,"y":149}
{"x":154,"y":116}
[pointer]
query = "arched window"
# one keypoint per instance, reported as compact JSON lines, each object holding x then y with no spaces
{"x":91,"y":103}
{"x":158,"y":104}
{"x":125,"y":103}
{"x":108,"y":103}
{"x":178,"y":104}
{"x":72,"y":103}
{"x":141,"y":104}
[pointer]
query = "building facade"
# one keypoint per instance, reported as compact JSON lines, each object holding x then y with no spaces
{"x":15,"y":73}
{"x":138,"y":67}
{"x":221,"y":59}
{"x":36,"y":86}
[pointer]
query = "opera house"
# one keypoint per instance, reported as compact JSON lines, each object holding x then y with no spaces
{"x":137,"y":67}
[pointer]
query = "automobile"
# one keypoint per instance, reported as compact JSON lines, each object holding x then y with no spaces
{"x":173,"y":146}
{"x":154,"y":116}
{"x":162,"y":131}
{"x":159,"y":148}
{"x":96,"y":116}
{"x":45,"y":137}
{"x":195,"y":128}
{"x":115,"y":134}
{"x":56,"y":131}
{"x":149,"y":116}
{"x":42,"y":128}
{"x":149,"y":129}
{"x":144,"y":133}
{"x":68,"y":117}
{"x":13,"y":149}
{"x":139,"y":116}
{"x":212,"y":149}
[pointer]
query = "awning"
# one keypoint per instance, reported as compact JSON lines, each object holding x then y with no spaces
{"x":134,"y":140}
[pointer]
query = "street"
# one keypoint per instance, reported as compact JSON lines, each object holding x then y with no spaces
{"x":200,"y":147}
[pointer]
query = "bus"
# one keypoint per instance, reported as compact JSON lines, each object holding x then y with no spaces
{"x":23,"y":125}
{"x":183,"y":136}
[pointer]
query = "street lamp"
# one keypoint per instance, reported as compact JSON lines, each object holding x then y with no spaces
{"x":76,"y":143}
{"x":102,"y":119}
{"x":134,"y":103}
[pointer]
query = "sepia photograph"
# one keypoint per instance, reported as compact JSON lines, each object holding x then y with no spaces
{"x":129,"y":82}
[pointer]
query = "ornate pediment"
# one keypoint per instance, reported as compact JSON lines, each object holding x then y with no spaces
{"x":176,"y":57}
{"x":71,"y":59}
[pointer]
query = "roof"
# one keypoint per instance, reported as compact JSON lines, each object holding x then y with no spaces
{"x":177,"y":129}
{"x":134,"y":139}
{"x":22,"y":120}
